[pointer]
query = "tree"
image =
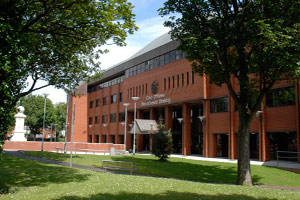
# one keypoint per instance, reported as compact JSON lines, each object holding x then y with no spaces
{"x":255,"y":43}
{"x":54,"y":41}
{"x":60,"y":112}
{"x":162,"y":143}
{"x":34,"y":111}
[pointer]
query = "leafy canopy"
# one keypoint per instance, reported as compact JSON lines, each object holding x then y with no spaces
{"x":54,"y":41}
{"x":257,"y":42}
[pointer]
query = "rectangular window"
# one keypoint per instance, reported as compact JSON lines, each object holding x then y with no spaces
{"x":113,"y":99}
{"x":121,"y":97}
{"x":104,"y":119}
{"x":173,"y":81}
{"x":187,"y":78}
{"x":161,"y":60}
{"x":113,"y":118}
{"x":127,"y":93}
{"x":182,"y":79}
{"x":146,"y":88}
{"x":139,"y":90}
{"x":113,"y":139}
{"x":219,"y":105}
{"x":177,"y":80}
{"x":136,"y":91}
{"x":130,"y":92}
{"x":143,"y":90}
{"x":91,"y":104}
{"x":164,"y":84}
{"x":90,"y":120}
{"x":97,"y":119}
{"x":167,"y":58}
{"x":193,"y":74}
{"x":122,"y":117}
{"x":105,"y":102}
{"x":133,"y":94}
{"x":169,"y":81}
{"x":97,"y":102}
{"x":281,"y":97}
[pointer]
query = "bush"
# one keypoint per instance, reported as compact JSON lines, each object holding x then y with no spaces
{"x":162,"y":143}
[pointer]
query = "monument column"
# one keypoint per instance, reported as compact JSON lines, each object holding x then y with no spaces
{"x":19,"y":132}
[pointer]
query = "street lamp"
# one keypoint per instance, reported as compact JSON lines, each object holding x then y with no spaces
{"x":126,"y":105}
{"x":134,"y":124}
{"x":45,"y":95}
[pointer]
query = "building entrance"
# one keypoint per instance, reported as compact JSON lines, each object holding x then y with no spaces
{"x":196,"y":130}
{"x":283,"y":141}
{"x":254,"y":146}
{"x":177,"y":130}
{"x":146,"y":142}
{"x":222,"y":145}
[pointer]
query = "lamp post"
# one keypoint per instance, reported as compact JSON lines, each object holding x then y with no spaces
{"x":126,"y":105}
{"x":45,"y":95}
{"x":55,"y":132}
{"x":134,"y":124}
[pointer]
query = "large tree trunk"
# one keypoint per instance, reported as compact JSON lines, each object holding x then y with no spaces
{"x":244,"y":170}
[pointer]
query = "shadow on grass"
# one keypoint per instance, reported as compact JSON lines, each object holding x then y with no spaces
{"x":50,"y":155}
{"x":175,"y":168}
{"x":16,"y":172}
{"x":166,"y":195}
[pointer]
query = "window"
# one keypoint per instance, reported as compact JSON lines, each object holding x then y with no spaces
{"x":112,"y":117}
{"x":104,"y":100}
{"x":182,"y":79}
{"x":90,"y":120}
{"x":193,"y":74}
{"x":136,"y":91}
{"x":177,"y":80}
{"x":146,"y":88}
{"x":187,"y":78}
{"x":169,"y":80}
{"x":281,"y":97}
{"x":143,"y":90}
{"x":97,"y":102}
{"x":97,"y":119}
{"x":130,"y":92}
{"x":91,"y":104}
{"x":113,"y":99}
{"x":104,"y":119}
{"x":122,"y":117}
{"x":219,"y":105}
{"x":164,"y":84}
{"x":121,"y":97}
{"x":139,"y":90}
{"x":113,"y":139}
{"x":173,"y":81}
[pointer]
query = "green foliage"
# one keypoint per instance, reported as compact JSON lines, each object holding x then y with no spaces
{"x":257,"y":42}
{"x":54,"y":41}
{"x":34,"y":111}
{"x":162,"y":143}
{"x":253,"y":43}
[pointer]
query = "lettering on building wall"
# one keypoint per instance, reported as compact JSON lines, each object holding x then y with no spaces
{"x":155,"y":100}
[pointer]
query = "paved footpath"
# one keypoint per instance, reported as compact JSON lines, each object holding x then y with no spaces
{"x":21,"y":154}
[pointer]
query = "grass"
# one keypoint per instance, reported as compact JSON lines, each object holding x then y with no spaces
{"x":33,"y":180}
{"x":195,"y":170}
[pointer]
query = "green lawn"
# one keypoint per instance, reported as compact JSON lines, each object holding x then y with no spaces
{"x":185,"y":169}
{"x":33,"y":180}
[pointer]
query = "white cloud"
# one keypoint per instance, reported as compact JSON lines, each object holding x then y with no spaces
{"x":149,"y":29}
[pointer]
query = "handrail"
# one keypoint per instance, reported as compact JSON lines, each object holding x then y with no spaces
{"x":92,"y":150}
{"x":286,"y":156}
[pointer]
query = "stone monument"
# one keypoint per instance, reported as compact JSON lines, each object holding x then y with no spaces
{"x":19,"y":132}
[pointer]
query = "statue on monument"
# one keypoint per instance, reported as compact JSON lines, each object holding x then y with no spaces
{"x":19,"y":132}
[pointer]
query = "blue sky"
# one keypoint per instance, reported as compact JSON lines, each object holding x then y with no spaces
{"x":150,"y":27}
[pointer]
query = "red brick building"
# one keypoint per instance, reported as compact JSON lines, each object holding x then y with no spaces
{"x":168,"y":88}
